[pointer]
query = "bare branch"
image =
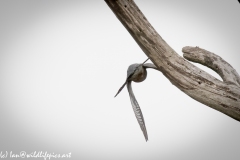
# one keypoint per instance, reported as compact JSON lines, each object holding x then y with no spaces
{"x":213,"y":61}
{"x":196,"y":83}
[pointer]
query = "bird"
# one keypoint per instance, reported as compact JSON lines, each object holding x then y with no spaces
{"x":137,"y":73}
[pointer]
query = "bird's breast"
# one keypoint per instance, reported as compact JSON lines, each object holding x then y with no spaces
{"x":139,"y":75}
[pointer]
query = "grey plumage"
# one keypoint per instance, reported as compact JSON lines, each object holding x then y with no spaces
{"x":137,"y":110}
{"x":132,"y":74}
{"x":137,"y":73}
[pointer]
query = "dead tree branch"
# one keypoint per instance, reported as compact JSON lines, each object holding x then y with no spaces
{"x":196,"y":83}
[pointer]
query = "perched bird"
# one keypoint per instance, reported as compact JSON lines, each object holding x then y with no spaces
{"x":137,"y":73}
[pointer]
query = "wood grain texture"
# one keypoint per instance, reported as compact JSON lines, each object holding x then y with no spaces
{"x":223,"y":96}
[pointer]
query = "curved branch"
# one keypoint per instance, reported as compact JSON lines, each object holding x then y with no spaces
{"x":196,"y":83}
{"x":213,"y":61}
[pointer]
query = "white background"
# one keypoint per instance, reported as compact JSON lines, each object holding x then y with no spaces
{"x":62,"y":62}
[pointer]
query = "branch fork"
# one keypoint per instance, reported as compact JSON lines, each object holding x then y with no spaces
{"x":223,"y":96}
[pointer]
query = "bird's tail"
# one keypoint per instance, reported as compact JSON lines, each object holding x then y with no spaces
{"x":137,"y":111}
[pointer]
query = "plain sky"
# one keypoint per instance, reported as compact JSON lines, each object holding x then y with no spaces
{"x":62,"y":62}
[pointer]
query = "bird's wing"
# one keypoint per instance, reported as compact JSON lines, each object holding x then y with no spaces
{"x":137,"y":110}
{"x":150,"y":65}
{"x":121,"y":88}
{"x":131,"y":69}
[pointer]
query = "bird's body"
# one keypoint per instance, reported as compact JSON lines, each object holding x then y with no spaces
{"x":137,"y":73}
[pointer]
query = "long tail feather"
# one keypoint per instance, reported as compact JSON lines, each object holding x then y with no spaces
{"x":137,"y":110}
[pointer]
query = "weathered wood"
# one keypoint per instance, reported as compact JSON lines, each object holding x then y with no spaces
{"x":213,"y":61}
{"x":196,"y":83}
